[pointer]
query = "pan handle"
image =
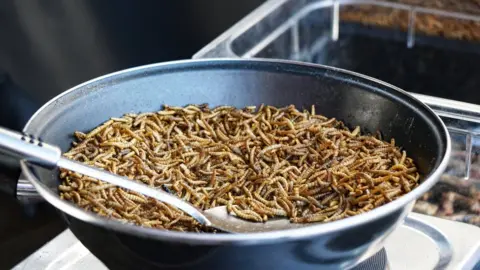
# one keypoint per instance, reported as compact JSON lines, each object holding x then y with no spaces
{"x":15,"y":145}
{"x":14,"y":184}
{"x":26,"y":192}
{"x":11,"y":185}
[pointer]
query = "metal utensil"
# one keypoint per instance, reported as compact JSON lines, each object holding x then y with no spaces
{"x":48,"y":156}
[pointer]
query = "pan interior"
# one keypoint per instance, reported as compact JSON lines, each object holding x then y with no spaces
{"x":355,"y":100}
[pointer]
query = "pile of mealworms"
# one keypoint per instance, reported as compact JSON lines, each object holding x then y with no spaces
{"x":261,"y":163}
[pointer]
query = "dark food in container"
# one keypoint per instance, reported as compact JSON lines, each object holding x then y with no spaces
{"x":427,"y":24}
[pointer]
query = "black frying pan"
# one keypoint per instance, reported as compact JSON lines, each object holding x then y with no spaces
{"x":350,"y":97}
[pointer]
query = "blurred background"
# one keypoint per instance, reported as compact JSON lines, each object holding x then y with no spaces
{"x":49,"y":46}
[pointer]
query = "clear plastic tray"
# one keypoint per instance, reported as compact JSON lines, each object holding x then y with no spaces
{"x":441,"y":70}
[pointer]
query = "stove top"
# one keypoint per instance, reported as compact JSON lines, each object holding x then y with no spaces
{"x":422,"y":242}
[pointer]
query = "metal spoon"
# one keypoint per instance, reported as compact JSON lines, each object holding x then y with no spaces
{"x":48,"y":156}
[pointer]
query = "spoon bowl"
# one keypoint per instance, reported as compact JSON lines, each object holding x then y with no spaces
{"x":220,"y":219}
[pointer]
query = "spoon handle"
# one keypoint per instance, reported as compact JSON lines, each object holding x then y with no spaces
{"x":48,"y":156}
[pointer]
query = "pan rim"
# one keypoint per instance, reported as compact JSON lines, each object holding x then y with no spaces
{"x":250,"y":238}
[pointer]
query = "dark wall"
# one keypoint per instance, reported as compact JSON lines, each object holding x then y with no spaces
{"x":48,"y":46}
